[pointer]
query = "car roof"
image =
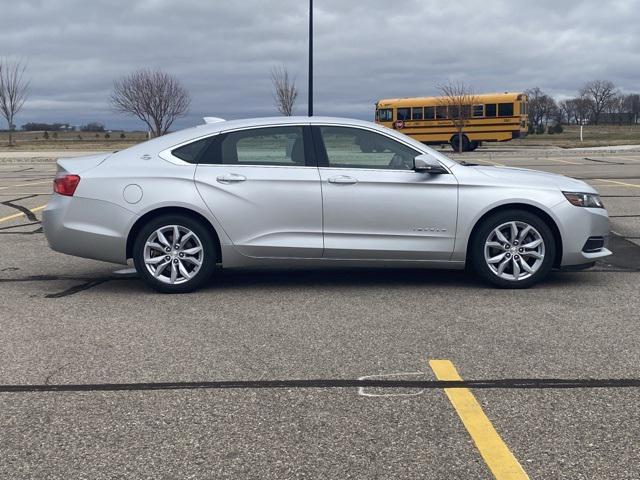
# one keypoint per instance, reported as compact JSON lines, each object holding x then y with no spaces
{"x":283,"y":120}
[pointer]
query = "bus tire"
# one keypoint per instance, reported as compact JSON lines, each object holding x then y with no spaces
{"x":473,"y":145}
{"x":454,"y":142}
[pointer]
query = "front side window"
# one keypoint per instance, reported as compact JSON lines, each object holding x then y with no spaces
{"x":490,"y":110}
{"x":416,"y":113}
{"x":478,"y":110}
{"x":264,"y":146}
{"x":356,"y":148}
{"x":404,"y":114}
{"x":191,"y":151}
{"x":385,"y":115}
{"x":505,"y":109}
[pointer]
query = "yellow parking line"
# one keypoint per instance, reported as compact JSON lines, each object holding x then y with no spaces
{"x":25,"y":184}
{"x":17,"y":215}
{"x":565,"y":161}
{"x":618,"y":183}
{"x":502,"y":463}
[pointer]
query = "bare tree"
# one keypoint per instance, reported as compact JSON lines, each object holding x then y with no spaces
{"x":285,"y":91}
{"x":459,"y":100}
{"x":155,"y":97}
{"x":542,"y":107}
{"x":599,"y":93}
{"x":13,"y":91}
{"x":568,"y":110}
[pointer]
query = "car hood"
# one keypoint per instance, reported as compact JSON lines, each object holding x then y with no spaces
{"x":534,"y":178}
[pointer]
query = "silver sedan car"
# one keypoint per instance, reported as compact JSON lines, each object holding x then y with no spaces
{"x":316,"y":192}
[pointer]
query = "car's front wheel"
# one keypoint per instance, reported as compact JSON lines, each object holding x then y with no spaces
{"x":513,"y":249}
{"x":174,"y":254}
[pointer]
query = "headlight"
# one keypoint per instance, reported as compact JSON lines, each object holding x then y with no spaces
{"x":590,"y":200}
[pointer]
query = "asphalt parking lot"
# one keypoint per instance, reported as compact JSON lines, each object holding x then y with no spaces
{"x":257,"y":375}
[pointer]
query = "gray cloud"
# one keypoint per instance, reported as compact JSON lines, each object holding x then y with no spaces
{"x":365,"y":50}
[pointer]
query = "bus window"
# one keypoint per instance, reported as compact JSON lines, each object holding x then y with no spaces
{"x":385,"y":115}
{"x":441,"y":112}
{"x":403,"y":114}
{"x":429,"y":113}
{"x":490,"y":110}
{"x":505,"y":109}
{"x":416,"y":113}
{"x":478,"y":110}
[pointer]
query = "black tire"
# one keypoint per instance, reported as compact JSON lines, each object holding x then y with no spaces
{"x":481,"y":235}
{"x":208,"y":253}
{"x":473,"y":145}
{"x":455,"y":145}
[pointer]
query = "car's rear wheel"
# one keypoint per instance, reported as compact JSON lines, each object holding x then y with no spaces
{"x":513,"y":249}
{"x":174,"y":254}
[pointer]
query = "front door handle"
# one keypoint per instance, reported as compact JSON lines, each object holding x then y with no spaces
{"x":230,"y":178}
{"x":343,"y":180}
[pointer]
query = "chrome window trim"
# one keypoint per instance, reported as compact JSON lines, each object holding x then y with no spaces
{"x":170,"y":157}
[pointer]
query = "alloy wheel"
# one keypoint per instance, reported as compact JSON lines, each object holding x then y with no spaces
{"x":173,"y":254}
{"x":514,"y":251}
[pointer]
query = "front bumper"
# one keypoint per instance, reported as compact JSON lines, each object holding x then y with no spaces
{"x":577,"y":226}
{"x":87,"y":228}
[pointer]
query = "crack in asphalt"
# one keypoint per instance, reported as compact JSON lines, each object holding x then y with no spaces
{"x":79,"y":288}
{"x":28,"y":213}
{"x":604,"y":161}
{"x":55,"y":372}
{"x":87,"y":283}
{"x":505,"y":383}
{"x":17,"y":226}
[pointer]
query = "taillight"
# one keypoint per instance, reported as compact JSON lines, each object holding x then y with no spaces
{"x":66,"y":184}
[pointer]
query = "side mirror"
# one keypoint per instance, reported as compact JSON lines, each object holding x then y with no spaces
{"x":427,"y":164}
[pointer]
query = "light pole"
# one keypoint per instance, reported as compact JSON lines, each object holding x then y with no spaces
{"x":310,"y":108}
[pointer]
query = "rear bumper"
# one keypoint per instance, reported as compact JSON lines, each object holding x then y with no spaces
{"x":87,"y":228}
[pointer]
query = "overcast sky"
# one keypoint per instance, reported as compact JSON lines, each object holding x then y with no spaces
{"x":223,"y":50}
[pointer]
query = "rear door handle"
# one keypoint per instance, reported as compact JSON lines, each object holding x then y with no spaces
{"x":343,"y":180}
{"x":230,"y":178}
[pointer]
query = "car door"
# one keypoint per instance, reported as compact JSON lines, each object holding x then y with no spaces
{"x":375,"y":205}
{"x":263,"y":186}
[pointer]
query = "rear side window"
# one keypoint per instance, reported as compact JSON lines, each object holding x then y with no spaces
{"x":191,"y":151}
{"x":490,"y":110}
{"x":505,"y":109}
{"x":478,"y":110}
{"x":264,"y":146}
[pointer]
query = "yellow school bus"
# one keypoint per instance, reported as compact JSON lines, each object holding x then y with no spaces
{"x":495,"y":117}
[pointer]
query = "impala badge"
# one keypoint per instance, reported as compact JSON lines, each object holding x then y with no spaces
{"x":429,"y":229}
